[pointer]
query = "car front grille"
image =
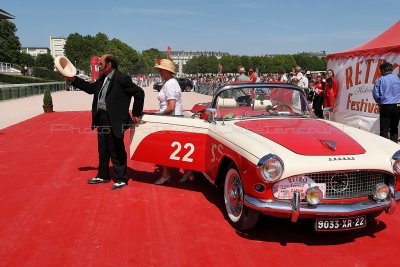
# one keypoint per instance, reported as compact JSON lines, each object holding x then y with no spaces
{"x":352,"y":184}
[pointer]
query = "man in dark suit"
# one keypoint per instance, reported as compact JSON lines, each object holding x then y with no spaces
{"x":110,"y":115}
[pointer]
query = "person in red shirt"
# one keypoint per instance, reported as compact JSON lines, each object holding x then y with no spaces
{"x":331,"y":89}
{"x":252,"y":75}
{"x":318,"y":99}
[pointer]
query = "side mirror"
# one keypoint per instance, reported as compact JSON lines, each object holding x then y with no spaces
{"x":328,"y":113}
{"x":211,"y":112}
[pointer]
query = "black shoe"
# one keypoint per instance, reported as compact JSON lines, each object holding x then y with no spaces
{"x":97,"y":180}
{"x":119,"y":185}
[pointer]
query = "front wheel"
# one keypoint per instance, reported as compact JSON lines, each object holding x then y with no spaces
{"x":239,"y":216}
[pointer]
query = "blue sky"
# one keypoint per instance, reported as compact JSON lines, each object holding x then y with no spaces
{"x":235,"y":26}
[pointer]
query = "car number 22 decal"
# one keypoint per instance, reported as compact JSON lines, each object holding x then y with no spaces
{"x":188,"y":147}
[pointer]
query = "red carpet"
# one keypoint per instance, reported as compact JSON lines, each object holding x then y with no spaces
{"x":50,"y":216}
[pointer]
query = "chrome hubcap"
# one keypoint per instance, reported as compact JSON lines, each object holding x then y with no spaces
{"x":235,"y":195}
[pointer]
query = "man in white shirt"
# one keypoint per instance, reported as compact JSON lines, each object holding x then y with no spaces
{"x":242,"y":76}
{"x":299,"y":79}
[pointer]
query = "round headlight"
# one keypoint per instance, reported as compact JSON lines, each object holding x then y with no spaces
{"x":272,"y":169}
{"x":396,"y":166}
{"x":381,"y":191}
{"x":314,"y":195}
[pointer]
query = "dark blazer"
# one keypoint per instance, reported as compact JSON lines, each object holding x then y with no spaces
{"x":118,"y":98}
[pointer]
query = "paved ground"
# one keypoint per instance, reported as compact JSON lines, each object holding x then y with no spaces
{"x":18,"y":110}
{"x":50,"y":216}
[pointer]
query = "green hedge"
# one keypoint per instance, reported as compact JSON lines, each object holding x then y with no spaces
{"x":18,"y":79}
{"x":47,"y":74}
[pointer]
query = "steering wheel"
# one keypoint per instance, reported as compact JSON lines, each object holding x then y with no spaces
{"x":277,"y":107}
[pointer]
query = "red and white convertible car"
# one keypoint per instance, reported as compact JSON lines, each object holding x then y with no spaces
{"x":264,"y":146}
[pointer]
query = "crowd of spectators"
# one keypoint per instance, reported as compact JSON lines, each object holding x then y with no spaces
{"x":145,"y":80}
{"x":297,"y":76}
{"x":312,"y":82}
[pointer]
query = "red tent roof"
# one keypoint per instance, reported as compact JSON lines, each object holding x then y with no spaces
{"x":386,"y":42}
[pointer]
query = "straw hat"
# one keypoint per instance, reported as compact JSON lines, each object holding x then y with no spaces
{"x":64,"y":66}
{"x":165,"y":64}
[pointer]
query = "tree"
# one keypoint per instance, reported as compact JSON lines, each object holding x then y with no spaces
{"x":126,"y":55}
{"x":191,"y":67}
{"x":246,"y":62}
{"x":145,"y":64}
{"x":80,"y":49}
{"x":228,"y":65}
{"x":282,"y":63}
{"x":9,"y":43}
{"x":264,"y":64}
{"x":99,"y":44}
{"x":45,"y":61}
{"x":27,"y":60}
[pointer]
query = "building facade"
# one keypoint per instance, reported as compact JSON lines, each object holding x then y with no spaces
{"x":57,"y":46}
{"x":34,"y":51}
{"x":181,"y":57}
{"x":319,"y":54}
{"x":5,"y":15}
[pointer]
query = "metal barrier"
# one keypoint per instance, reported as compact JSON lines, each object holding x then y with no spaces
{"x":207,"y":88}
{"x":13,"y":91}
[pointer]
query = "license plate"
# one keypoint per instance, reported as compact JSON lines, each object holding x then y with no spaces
{"x":340,"y":224}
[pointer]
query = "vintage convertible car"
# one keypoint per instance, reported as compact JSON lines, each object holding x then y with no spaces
{"x":264,"y":146}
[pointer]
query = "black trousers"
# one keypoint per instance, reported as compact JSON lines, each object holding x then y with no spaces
{"x":318,"y":101}
{"x":110,"y":147}
{"x":389,"y":120}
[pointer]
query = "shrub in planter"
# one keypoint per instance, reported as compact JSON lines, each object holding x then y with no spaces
{"x":47,"y":101}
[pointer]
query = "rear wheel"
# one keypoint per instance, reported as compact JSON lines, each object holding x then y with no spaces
{"x":240,"y":216}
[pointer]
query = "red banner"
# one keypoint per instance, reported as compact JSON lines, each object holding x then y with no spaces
{"x":169,"y":52}
{"x":94,"y":68}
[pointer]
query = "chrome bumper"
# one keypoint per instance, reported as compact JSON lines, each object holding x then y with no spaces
{"x":295,"y":209}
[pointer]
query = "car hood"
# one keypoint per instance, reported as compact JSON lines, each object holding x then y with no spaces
{"x":302,"y":151}
{"x":305,"y":137}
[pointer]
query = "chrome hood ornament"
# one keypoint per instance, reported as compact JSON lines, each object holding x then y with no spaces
{"x":329,"y":144}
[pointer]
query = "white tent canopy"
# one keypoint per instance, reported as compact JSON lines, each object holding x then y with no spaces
{"x":356,"y":71}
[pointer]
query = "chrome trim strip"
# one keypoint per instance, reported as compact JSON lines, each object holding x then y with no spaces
{"x":323,"y":209}
{"x":390,"y":210}
{"x":397,"y":196}
{"x":361,"y":181}
{"x":267,"y":157}
{"x":396,"y":155}
{"x":264,"y":159}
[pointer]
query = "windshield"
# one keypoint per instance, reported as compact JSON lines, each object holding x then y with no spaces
{"x":245,"y":102}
